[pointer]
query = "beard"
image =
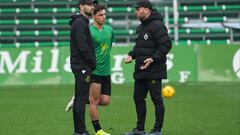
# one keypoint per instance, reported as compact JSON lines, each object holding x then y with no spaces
{"x":141,"y":18}
{"x":88,"y":13}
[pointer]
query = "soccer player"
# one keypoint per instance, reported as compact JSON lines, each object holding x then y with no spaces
{"x":100,"y":88}
{"x":83,"y":62}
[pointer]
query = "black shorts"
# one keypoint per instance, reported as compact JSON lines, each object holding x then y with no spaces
{"x":105,"y":82}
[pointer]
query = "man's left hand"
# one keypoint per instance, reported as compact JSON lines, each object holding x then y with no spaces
{"x":147,"y":63}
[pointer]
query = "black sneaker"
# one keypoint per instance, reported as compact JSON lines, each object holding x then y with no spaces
{"x":154,"y":132}
{"x":135,"y":132}
{"x":84,"y":133}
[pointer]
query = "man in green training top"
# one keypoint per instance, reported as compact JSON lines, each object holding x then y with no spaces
{"x":100,"y":88}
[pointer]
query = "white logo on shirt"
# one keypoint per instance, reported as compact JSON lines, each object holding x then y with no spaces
{"x":145,"y":37}
{"x":83,"y":71}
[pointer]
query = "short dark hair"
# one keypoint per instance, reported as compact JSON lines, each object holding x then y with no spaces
{"x":143,"y":3}
{"x":98,"y":7}
{"x":85,"y":2}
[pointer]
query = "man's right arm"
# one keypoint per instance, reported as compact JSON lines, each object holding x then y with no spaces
{"x":131,"y":55}
{"x":133,"y":52}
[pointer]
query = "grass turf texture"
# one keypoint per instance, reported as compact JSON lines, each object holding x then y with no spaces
{"x":196,"y":109}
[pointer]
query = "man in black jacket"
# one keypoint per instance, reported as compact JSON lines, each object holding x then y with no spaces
{"x":152,"y":46}
{"x":83,"y":62}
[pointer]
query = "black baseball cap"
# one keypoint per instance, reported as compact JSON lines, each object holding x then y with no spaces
{"x":85,"y":2}
{"x":143,"y":3}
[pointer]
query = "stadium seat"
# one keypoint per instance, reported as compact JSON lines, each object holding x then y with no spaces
{"x":53,"y":33}
{"x":66,"y":43}
{"x":209,"y":8}
{"x":33,"y":0}
{"x":24,"y":20}
{"x":200,"y":31}
{"x":203,"y":42}
{"x":34,"y":44}
{"x":34,"y":22}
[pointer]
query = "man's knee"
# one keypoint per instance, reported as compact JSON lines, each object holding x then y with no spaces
{"x":94,"y":101}
{"x":138,"y":100}
{"x":157,"y":101}
{"x":105,"y":102}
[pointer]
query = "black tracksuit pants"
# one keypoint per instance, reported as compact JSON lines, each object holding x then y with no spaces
{"x":141,"y":88}
{"x":79,"y":105}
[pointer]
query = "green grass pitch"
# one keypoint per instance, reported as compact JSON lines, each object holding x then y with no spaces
{"x":196,"y":109}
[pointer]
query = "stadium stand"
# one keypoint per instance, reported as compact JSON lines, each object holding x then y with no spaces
{"x":37,"y":22}
{"x":218,"y":18}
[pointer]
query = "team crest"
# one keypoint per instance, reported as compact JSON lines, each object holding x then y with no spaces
{"x":104,"y":47}
{"x":145,"y":37}
{"x":88,"y":78}
{"x":153,"y":82}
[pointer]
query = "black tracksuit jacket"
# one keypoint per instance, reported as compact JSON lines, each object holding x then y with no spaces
{"x":82,"y":50}
{"x":153,"y":42}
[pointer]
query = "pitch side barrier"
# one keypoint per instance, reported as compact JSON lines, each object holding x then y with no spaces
{"x":48,"y":64}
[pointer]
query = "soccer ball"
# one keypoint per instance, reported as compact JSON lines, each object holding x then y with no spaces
{"x":168,"y":91}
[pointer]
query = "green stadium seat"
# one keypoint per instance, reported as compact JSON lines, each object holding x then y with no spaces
{"x":215,"y":19}
{"x":204,"y":19}
{"x":35,"y":33}
{"x":35,"y":0}
{"x":62,"y":10}
{"x":34,"y":22}
{"x":124,"y":32}
{"x":39,"y":19}
{"x":53,"y":33}
{"x":180,"y":20}
{"x":34,"y":44}
{"x":120,"y":9}
{"x":209,"y":8}
{"x":203,"y":42}
{"x":66,"y":43}
{"x":200,"y":31}
{"x":38,"y":10}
